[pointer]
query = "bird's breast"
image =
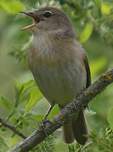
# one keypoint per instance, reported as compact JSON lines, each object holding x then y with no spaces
{"x":60,"y":77}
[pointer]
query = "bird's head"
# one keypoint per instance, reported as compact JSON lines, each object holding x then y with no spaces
{"x":49,"y":19}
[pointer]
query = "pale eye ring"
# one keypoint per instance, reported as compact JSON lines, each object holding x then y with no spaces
{"x":47,"y":14}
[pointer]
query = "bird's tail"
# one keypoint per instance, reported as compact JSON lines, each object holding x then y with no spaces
{"x":76,"y":129}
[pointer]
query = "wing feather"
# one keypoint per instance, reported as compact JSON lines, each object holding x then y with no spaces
{"x":88,"y":83}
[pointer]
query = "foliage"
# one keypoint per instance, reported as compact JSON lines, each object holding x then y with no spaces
{"x":103,"y":140}
{"x":21,"y":102}
{"x":12,"y":6}
{"x":46,"y":146}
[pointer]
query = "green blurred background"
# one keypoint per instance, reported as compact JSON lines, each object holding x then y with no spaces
{"x":21,"y":103}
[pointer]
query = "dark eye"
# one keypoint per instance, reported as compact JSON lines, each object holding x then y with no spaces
{"x":47,"y":14}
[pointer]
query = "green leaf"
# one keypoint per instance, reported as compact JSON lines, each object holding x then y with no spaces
{"x":97,"y":65}
{"x":86,"y":33}
{"x":41,"y":107}
{"x":3,"y":145}
{"x":106,"y":8}
{"x":13,"y":140}
{"x":12,"y":6}
{"x":54,"y":111}
{"x":23,"y":90}
{"x":27,"y":85}
{"x":5,"y":103}
{"x":110,"y":118}
{"x":38,"y":117}
{"x":98,"y":3}
{"x":35,"y":96}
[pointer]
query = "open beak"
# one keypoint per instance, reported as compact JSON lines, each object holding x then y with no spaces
{"x":34,"y":17}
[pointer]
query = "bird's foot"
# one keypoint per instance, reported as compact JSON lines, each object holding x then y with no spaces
{"x":45,"y":124}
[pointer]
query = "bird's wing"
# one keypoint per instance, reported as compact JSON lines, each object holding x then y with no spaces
{"x":88,"y":83}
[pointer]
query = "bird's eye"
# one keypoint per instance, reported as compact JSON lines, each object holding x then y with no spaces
{"x":47,"y":14}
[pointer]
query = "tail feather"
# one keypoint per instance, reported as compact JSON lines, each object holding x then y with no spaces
{"x":76,"y":129}
{"x":80,"y":129}
{"x":68,"y":132}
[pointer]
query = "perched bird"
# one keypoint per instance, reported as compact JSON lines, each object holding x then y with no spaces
{"x":59,"y":65}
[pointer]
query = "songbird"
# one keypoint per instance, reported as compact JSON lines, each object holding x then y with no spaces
{"x":59,"y":65}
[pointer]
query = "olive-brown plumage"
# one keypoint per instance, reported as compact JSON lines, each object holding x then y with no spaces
{"x":59,"y":65}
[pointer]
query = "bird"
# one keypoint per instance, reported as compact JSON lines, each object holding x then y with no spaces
{"x":59,"y":65}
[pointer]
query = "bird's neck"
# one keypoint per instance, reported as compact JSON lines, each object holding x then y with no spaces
{"x":47,"y":41}
{"x":52,"y":47}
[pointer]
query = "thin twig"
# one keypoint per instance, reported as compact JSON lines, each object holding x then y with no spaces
{"x":73,"y":108}
{"x":12,"y":128}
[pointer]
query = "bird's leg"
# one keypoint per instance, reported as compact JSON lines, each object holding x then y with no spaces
{"x":45,"y":117}
{"x":49,"y":110}
{"x":46,"y":122}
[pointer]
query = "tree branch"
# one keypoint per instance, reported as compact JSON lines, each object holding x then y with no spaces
{"x":12,"y":128}
{"x":73,"y":108}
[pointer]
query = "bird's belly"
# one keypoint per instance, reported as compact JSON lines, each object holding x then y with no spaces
{"x":60,"y":83}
